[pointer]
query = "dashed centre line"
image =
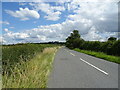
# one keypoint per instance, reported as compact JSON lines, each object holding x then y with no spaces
{"x":66,"y":50}
{"x":72,"y":54}
{"x":89,"y":63}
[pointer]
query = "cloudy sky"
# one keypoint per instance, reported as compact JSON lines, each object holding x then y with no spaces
{"x":54,"y":21}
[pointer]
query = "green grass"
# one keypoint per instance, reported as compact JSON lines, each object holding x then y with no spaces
{"x":32,"y":73}
{"x":102,"y":55}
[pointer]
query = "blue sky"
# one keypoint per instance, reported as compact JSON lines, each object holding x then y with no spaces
{"x":53,"y":21}
{"x":25,"y":24}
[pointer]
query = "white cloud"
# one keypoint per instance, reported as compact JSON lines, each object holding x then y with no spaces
{"x":93,"y":35}
{"x":53,"y":16}
{"x":95,"y":21}
{"x":4,"y":22}
{"x":58,"y":32}
{"x":24,"y":14}
{"x":21,"y":35}
{"x":2,"y":41}
{"x":6,"y":30}
{"x":12,"y":38}
{"x":63,"y":1}
{"x":53,"y":12}
{"x":22,"y":3}
{"x":58,"y":8}
{"x":42,"y":38}
{"x":103,"y":16}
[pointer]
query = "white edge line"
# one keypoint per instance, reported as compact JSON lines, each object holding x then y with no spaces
{"x":94,"y":66}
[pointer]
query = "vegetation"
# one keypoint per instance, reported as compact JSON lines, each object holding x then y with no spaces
{"x":100,"y":55}
{"x":110,"y":47}
{"x":27,"y":65}
{"x":15,"y":53}
{"x":112,"y":39}
{"x":74,"y":40}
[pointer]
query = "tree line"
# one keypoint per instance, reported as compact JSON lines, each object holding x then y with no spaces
{"x":111,"y":46}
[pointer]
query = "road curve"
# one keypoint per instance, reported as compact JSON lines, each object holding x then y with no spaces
{"x":72,"y":69}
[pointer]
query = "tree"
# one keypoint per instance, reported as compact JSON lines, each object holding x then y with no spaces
{"x":112,"y":39}
{"x":111,"y":47}
{"x":116,"y":48}
{"x":74,"y":40}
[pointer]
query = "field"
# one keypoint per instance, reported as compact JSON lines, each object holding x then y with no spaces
{"x":102,"y":55}
{"x":27,"y":65}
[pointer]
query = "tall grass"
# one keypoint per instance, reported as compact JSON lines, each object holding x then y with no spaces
{"x":11,"y":55}
{"x":102,"y":55}
{"x":32,"y":73}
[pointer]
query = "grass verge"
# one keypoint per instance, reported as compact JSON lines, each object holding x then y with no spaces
{"x":33,"y":73}
{"x":102,"y":55}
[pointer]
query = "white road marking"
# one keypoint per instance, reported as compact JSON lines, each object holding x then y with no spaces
{"x":72,"y":54}
{"x":94,"y":66}
{"x":69,"y":52}
{"x":66,"y":50}
{"x":89,"y":63}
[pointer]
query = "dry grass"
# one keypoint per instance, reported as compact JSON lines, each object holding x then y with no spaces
{"x":33,"y":73}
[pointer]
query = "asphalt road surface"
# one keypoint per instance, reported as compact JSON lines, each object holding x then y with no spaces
{"x":72,"y":69}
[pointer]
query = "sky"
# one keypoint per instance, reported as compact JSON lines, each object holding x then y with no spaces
{"x":35,"y":22}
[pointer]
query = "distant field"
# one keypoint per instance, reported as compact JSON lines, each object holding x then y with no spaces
{"x":102,"y":55}
{"x":27,"y":65}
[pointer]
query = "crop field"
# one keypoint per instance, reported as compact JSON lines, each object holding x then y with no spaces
{"x":23,"y":63}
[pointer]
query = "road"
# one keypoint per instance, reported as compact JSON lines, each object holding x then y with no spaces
{"x":72,"y":69}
